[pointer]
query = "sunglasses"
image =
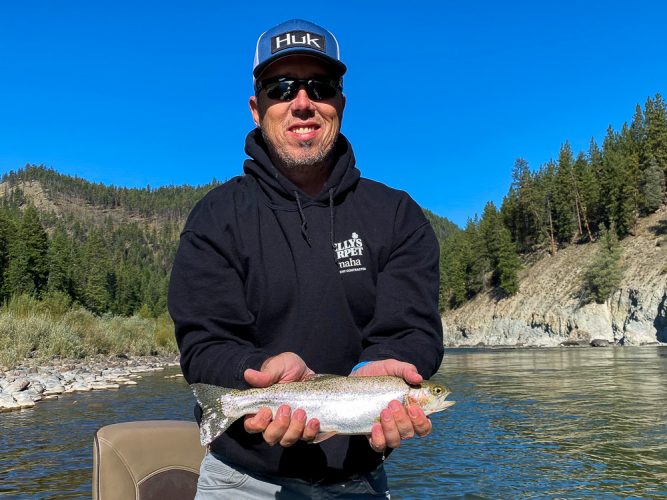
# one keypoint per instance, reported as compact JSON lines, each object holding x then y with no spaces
{"x":285,"y":88}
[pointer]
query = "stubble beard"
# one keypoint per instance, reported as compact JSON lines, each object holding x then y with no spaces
{"x":312,"y":160}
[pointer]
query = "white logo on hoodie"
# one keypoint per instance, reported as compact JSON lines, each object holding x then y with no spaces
{"x":349,"y":254}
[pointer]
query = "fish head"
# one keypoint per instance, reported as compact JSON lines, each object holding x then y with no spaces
{"x":430,"y":397}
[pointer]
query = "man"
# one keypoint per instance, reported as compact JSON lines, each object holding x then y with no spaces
{"x":299,"y":267}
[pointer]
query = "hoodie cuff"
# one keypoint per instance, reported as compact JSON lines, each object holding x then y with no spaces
{"x":254,"y":361}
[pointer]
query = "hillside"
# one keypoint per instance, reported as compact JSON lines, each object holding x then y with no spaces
{"x":548,"y":307}
{"x":107,"y":248}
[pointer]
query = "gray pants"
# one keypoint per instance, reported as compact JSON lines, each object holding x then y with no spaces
{"x":217,"y":480}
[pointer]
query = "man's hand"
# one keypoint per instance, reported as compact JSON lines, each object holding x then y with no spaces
{"x":395,"y":423}
{"x":286,"y":427}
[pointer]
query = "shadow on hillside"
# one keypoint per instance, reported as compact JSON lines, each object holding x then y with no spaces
{"x":497,"y":294}
{"x":659,"y":229}
{"x":660,"y":322}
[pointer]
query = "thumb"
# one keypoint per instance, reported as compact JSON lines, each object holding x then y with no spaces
{"x":410,"y":374}
{"x":259,"y":379}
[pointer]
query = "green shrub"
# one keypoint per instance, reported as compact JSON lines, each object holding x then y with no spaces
{"x":164,"y":333}
{"x":63,"y":342}
{"x":56,"y":304}
{"x":21,"y":306}
{"x":20,"y":336}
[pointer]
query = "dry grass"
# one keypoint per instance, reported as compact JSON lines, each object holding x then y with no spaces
{"x":53,"y":328}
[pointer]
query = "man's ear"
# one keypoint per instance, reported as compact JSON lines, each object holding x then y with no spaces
{"x":254,"y":109}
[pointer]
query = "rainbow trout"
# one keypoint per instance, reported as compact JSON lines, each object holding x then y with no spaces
{"x":343,"y":405}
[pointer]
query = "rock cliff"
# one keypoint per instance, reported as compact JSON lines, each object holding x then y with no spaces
{"x":549,"y":308}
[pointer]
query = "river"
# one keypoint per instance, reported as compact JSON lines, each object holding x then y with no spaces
{"x":542,"y":423}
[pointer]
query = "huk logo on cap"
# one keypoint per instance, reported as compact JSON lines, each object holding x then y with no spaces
{"x":297,"y":39}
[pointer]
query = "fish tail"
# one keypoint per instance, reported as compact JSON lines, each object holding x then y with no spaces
{"x":215,"y":419}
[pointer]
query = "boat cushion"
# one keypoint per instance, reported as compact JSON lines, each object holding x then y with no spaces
{"x":155,"y":459}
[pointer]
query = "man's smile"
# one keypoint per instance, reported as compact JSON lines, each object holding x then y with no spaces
{"x":303,"y":131}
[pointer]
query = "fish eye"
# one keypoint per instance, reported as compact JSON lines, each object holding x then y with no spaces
{"x":437,"y":390}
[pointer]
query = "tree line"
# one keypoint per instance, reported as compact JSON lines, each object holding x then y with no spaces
{"x":571,"y":200}
{"x":111,"y":254}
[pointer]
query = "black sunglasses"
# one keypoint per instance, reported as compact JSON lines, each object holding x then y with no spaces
{"x":285,"y":88}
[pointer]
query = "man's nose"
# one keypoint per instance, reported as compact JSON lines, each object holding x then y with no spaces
{"x":302,"y":101}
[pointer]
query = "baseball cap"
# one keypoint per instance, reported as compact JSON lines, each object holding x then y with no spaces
{"x":296,"y":37}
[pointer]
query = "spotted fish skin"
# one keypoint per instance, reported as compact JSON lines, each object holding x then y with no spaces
{"x":343,"y":405}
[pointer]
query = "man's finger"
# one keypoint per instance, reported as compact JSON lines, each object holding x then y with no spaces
{"x":311,"y":430}
{"x":421,"y":423}
{"x":295,"y":430}
{"x":376,"y":439}
{"x":276,"y":430}
{"x":258,"y":422}
{"x":392,"y":436}
{"x":403,"y":422}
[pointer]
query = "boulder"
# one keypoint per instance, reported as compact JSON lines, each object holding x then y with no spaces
{"x":8,"y":403}
{"x":24,"y":399}
{"x":18,"y":385}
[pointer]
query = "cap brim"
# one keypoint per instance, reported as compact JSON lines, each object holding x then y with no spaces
{"x":338,"y":66}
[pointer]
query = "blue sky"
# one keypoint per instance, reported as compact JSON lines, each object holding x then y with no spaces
{"x":442,"y":96}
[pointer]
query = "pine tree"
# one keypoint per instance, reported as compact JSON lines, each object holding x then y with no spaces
{"x":488,"y":228}
{"x":564,"y":196}
{"x":655,"y":114}
{"x":619,"y":195}
{"x":7,"y":234}
{"x":127,"y":299}
{"x":500,"y":254}
{"x":452,"y":272}
{"x":592,"y":187}
{"x":27,"y":271}
{"x":519,"y":207}
{"x":605,"y":273}
{"x":95,"y":280}
{"x":587,"y":193}
{"x":652,"y":188}
{"x":472,"y":258}
{"x":508,"y":263}
{"x":60,"y":263}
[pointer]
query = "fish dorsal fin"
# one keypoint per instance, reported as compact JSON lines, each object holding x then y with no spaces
{"x":323,"y":436}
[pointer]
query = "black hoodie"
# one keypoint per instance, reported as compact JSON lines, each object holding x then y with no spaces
{"x":347,"y":276}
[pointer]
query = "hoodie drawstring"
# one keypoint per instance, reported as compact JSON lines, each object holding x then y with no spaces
{"x":331,"y":213}
{"x":304,"y":225}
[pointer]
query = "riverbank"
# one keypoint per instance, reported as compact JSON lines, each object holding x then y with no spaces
{"x":581,"y":344}
{"x":36,"y":380}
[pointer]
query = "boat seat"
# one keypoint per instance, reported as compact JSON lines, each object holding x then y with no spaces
{"x":154,"y":459}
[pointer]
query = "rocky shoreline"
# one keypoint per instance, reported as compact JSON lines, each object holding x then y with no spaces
{"x":34,"y":381}
{"x":567,"y":343}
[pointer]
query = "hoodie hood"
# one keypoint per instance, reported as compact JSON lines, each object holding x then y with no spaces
{"x":281,"y":191}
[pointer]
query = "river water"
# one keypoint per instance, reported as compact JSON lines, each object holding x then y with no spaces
{"x":543,"y":423}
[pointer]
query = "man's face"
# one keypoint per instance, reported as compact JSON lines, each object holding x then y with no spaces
{"x":300,"y":132}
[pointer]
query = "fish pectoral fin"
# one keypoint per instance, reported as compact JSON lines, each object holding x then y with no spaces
{"x":323,"y":436}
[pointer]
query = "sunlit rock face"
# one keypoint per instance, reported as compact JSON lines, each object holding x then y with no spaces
{"x":550,"y":307}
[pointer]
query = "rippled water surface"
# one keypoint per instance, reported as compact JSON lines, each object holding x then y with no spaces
{"x":555,"y":423}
